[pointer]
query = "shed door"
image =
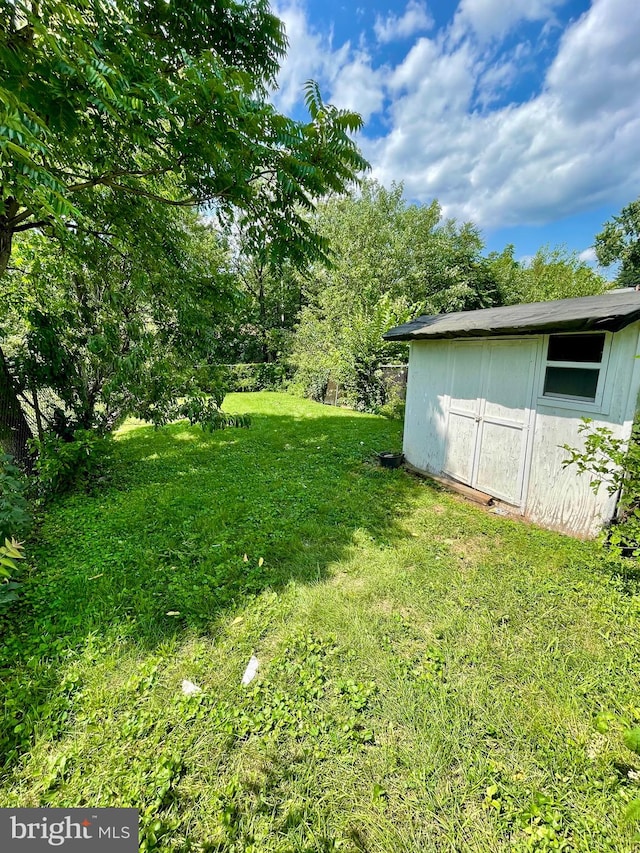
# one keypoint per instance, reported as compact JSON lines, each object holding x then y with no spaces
{"x":464,"y":410}
{"x":488,"y":434}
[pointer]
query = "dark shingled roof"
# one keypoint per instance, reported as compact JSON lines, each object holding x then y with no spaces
{"x":610,"y":311}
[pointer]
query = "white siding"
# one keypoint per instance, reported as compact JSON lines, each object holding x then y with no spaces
{"x":438,"y":440}
{"x":426,"y":407}
{"x":558,"y":497}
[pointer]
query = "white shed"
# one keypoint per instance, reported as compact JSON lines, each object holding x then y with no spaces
{"x":492,"y":396}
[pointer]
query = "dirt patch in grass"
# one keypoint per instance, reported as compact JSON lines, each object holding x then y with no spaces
{"x":473,"y":549}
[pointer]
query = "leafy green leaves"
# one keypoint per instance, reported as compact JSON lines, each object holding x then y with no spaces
{"x":632,"y":740}
{"x":122,"y":321}
{"x":550,"y":274}
{"x":389,"y":260}
{"x":619,"y":241}
{"x":123,"y":93}
{"x":15,"y":517}
{"x":616,"y":463}
{"x":207,"y":413}
{"x":9,"y":568}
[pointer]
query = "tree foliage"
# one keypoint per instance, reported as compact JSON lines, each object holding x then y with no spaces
{"x":389,"y":260}
{"x":619,"y":241}
{"x":380,"y":244}
{"x":123,"y":93}
{"x":269,"y":300}
{"x":117,"y":327}
{"x":615,"y":463}
{"x":552,"y":273}
{"x":110,"y":105}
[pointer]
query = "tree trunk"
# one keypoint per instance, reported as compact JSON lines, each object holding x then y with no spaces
{"x":263,"y":320}
{"x":14,"y":429}
{"x":11,"y":208}
{"x":36,"y":409}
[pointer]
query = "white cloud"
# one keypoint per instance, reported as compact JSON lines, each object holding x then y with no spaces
{"x":416,"y":19}
{"x":346,"y":75}
{"x":571,"y":147}
{"x":588,"y":256}
{"x":597,"y":68}
{"x":450,"y":136}
{"x":357,"y":86}
{"x":495,"y":80}
{"x":490,"y":19}
{"x":310,"y":56}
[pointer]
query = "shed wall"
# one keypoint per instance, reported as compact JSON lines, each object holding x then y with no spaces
{"x":558,"y":497}
{"x":552,"y":496}
{"x":426,"y":405}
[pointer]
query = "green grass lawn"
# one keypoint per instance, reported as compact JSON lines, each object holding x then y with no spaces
{"x":432,"y":677}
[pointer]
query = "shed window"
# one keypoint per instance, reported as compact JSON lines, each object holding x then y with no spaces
{"x":573,"y":367}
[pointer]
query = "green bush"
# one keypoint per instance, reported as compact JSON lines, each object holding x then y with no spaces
{"x":271,"y":376}
{"x":15,"y":522}
{"x":15,"y":518}
{"x":206,"y":412}
{"x":10,"y":552}
{"x":394,"y":408}
{"x":615,"y":463}
{"x":62,"y":465}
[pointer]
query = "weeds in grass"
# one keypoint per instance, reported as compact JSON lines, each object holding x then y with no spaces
{"x":432,"y":678}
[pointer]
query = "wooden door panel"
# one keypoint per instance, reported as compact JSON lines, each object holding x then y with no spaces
{"x":499,"y":470}
{"x":464,"y":405}
{"x":489,"y":413}
{"x":461,"y":442}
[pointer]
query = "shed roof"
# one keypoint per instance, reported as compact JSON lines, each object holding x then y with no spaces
{"x":610,"y":311}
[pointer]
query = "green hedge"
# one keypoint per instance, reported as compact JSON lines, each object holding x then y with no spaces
{"x":271,"y":376}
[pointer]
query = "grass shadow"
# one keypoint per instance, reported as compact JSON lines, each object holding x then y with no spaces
{"x":190,"y":527}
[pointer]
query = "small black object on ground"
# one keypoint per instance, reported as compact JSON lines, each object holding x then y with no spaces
{"x":390,"y":460}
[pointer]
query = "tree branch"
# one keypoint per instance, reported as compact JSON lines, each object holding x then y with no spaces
{"x":108,"y":177}
{"x":186,"y":202}
{"x":16,"y":220}
{"x":41,"y":223}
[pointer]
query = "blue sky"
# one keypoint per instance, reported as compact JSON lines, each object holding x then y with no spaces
{"x":520,"y":115}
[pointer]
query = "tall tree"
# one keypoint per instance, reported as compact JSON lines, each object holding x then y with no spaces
{"x":619,"y":242}
{"x":270,"y":296}
{"x":389,"y":260}
{"x":552,"y":273}
{"x":163,"y":101}
{"x":117,"y":327}
{"x":119,"y":93}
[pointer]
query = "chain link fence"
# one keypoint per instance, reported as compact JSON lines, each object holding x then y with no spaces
{"x":23,"y":415}
{"x":15,"y":430}
{"x":393,"y":378}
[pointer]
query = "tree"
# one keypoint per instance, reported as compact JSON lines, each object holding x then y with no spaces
{"x":389,"y":260}
{"x":619,"y":241}
{"x":269,"y":301}
{"x":119,"y":93}
{"x":101,"y":330}
{"x":165,"y":102}
{"x":551,"y":274}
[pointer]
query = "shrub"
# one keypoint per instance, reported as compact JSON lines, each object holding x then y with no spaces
{"x":394,"y":408}
{"x":15,"y":518}
{"x":268,"y":376}
{"x":206,"y":412}
{"x":10,"y":552}
{"x":15,"y":522}
{"x":615,"y":463}
{"x":62,"y":465}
